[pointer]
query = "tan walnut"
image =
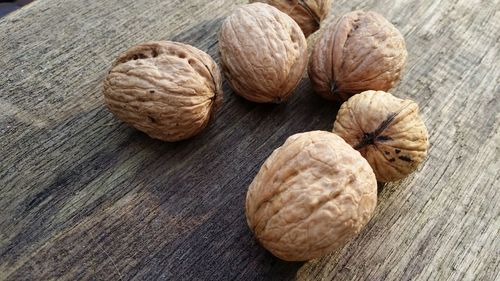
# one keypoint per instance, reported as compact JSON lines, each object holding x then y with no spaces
{"x":166,"y":89}
{"x":307,"y":13}
{"x":386,"y":130}
{"x":310,"y":196}
{"x":360,"y":51}
{"x":263,"y":53}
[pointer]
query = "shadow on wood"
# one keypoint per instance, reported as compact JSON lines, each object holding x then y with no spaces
{"x":147,"y":209}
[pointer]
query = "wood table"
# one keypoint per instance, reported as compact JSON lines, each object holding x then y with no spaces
{"x":85,"y":197}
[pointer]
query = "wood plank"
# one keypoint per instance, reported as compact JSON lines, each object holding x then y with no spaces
{"x":86,"y":197}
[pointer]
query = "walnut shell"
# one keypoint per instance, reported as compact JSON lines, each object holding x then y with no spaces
{"x":310,"y":196}
{"x":386,"y":130}
{"x":361,"y":51}
{"x":263,"y":53}
{"x":307,"y":13}
{"x":168,"y":90}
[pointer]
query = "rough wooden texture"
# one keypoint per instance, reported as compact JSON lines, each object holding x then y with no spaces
{"x":83,"y":196}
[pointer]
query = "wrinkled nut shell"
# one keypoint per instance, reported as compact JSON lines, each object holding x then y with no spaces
{"x":307,"y":13}
{"x":361,"y":51}
{"x":166,"y":89}
{"x":386,"y":130}
{"x":263,"y":53}
{"x":310,"y":196}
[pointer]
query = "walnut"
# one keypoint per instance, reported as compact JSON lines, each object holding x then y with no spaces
{"x":168,"y":90}
{"x":310,"y":196}
{"x":361,"y":51}
{"x":307,"y":13}
{"x":263,"y":53}
{"x":387,"y":131}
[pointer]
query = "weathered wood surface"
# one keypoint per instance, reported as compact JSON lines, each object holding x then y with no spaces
{"x":83,"y":196}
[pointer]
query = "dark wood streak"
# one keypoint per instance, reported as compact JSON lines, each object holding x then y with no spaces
{"x":86,"y":197}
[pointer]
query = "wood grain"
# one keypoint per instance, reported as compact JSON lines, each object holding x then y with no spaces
{"x":83,"y":196}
